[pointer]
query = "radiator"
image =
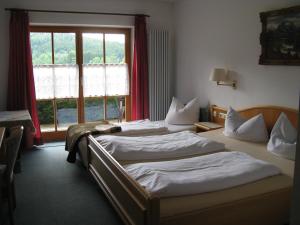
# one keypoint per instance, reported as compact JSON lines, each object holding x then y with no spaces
{"x":159,"y":74}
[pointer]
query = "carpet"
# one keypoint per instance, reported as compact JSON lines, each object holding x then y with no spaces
{"x":51,"y":191}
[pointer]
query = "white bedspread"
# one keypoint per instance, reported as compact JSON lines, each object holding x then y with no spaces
{"x":141,"y":127}
{"x":197,"y":175}
{"x":185,"y":143}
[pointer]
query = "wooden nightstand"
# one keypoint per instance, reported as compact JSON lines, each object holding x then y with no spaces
{"x":206,"y":126}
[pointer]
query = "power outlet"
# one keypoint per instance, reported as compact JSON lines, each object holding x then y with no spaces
{"x":222,"y":115}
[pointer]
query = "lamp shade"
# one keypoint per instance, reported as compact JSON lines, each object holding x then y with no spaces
{"x":218,"y":74}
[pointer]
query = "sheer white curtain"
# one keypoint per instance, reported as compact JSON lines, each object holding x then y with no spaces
{"x":56,"y":81}
{"x":93,"y":80}
{"x":105,"y":80}
{"x":62,"y":81}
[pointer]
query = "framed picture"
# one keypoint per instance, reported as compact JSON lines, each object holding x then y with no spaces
{"x":280,"y":37}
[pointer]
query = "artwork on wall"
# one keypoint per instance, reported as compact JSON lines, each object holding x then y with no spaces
{"x":280,"y":37}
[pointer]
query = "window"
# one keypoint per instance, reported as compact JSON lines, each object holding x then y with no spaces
{"x":81,"y":75}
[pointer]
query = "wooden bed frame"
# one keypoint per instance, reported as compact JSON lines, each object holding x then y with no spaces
{"x":137,"y":207}
{"x":270,"y":113}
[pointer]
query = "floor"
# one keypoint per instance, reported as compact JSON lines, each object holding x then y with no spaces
{"x":51,"y":191}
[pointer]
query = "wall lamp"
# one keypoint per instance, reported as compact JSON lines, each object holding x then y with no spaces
{"x":221,"y":76}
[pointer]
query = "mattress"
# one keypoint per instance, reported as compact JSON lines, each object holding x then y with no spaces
{"x":192,"y":203}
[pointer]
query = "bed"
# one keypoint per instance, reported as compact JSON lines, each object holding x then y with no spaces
{"x":82,"y":143}
{"x":264,"y":202}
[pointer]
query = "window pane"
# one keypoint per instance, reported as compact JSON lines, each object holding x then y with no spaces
{"x":46,"y":115}
{"x":94,"y":80}
{"x":64,"y":48}
{"x":112,"y":111}
{"x":92,"y":48}
{"x":115,"y":48}
{"x":93,"y":109}
{"x":116,"y":79}
{"x":66,"y":113}
{"x":66,"y":84}
{"x":41,"y":48}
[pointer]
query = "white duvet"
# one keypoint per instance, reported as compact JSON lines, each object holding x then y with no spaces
{"x":185,"y":143}
{"x":141,"y":127}
{"x":202,"y":174}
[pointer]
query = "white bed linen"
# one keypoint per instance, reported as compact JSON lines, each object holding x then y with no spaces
{"x":283,"y":138}
{"x":147,"y":127}
{"x":141,"y":127}
{"x":256,"y":150}
{"x":176,"y":128}
{"x":202,"y":174}
{"x":185,"y":143}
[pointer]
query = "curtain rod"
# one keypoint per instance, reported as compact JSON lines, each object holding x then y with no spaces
{"x":75,"y":12}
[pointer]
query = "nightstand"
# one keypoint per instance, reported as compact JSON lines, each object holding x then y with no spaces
{"x":206,"y":126}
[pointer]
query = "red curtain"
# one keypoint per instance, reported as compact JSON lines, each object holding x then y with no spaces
{"x":139,"y":85}
{"x":21,"y":90}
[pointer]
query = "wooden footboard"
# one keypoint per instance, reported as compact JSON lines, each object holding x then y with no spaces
{"x":131,"y":201}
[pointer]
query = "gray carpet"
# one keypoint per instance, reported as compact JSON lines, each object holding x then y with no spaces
{"x":51,"y":191}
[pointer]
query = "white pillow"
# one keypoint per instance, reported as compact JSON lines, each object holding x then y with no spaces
{"x":183,"y":115}
{"x":238,"y":127}
{"x":283,"y":138}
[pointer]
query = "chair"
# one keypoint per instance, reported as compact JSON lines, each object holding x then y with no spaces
{"x":12,"y":145}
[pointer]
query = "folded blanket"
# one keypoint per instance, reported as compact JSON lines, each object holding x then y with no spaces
{"x":180,"y":144}
{"x":197,"y":175}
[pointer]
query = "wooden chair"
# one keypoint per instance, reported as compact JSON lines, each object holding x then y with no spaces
{"x":12,"y":145}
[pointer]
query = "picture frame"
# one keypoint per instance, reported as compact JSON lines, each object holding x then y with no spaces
{"x":280,"y":37}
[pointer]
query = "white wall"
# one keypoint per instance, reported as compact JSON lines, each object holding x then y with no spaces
{"x":214,"y":33}
{"x":160,"y":12}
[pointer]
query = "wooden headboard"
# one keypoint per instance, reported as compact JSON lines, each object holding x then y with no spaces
{"x":270,"y":114}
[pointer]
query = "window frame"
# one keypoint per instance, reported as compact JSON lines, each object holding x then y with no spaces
{"x":79,"y":30}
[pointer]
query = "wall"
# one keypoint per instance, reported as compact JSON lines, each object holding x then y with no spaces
{"x":161,"y":18}
{"x":213,"y":33}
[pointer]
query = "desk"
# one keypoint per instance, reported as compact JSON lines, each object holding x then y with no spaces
{"x":16,"y":118}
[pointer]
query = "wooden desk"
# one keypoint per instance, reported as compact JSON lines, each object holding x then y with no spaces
{"x":16,"y":118}
{"x":2,"y":149}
